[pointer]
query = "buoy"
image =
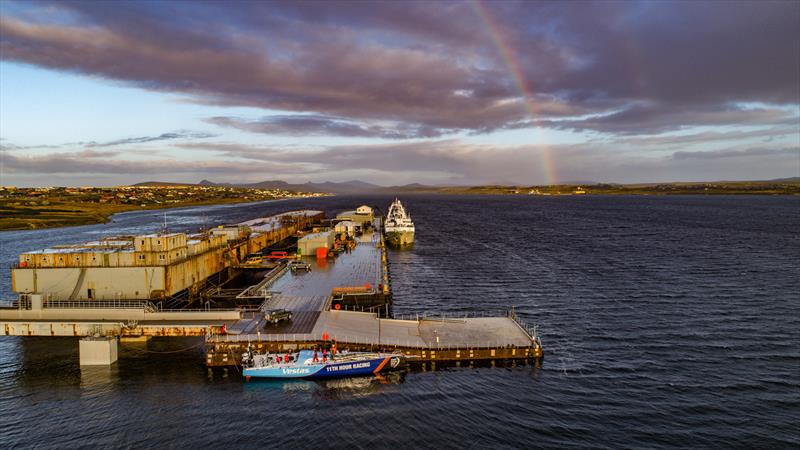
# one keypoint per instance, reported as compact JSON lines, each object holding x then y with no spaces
{"x":337,"y":306}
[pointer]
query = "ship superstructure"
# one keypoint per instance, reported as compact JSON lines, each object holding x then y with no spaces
{"x":398,"y":226}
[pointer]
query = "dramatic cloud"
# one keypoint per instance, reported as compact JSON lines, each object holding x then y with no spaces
{"x":334,"y":78}
{"x":440,"y":65}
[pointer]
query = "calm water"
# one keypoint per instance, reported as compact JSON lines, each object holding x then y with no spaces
{"x":667,"y":322}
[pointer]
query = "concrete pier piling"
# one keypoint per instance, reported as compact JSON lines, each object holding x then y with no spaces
{"x":98,"y":351}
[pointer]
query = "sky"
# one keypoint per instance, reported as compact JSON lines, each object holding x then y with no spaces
{"x":443,"y":93}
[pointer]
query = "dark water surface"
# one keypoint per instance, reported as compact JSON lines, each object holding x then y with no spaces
{"x":666,"y":322}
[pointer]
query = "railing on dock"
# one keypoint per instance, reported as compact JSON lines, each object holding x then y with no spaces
{"x":24,"y":302}
{"x":99,"y":304}
{"x":345,"y":340}
{"x":260,"y":290}
{"x":462,"y":315}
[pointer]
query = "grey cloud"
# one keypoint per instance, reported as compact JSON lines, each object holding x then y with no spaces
{"x":665,"y":117}
{"x":88,"y":162}
{"x":710,"y":136}
{"x":146,"y":139}
{"x":734,"y":153}
{"x":452,"y":160}
{"x":118,"y":142}
{"x":12,"y":147}
{"x":468,"y":163}
{"x":91,"y":154}
{"x":320,"y":125}
{"x":451,"y":156}
{"x":680,"y":52}
{"x":338,"y":79}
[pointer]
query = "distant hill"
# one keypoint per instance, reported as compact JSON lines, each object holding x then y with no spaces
{"x":361,"y":187}
{"x":786,"y":180}
{"x":162,"y":183}
{"x":343,"y":187}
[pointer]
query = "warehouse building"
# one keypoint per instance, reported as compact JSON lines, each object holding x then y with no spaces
{"x":308,"y":244}
{"x":362,"y":215}
{"x":133,"y":267}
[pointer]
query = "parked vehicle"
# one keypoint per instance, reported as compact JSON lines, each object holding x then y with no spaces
{"x":278,"y":255}
{"x":295,"y":266}
{"x":276,"y":316}
{"x":254,"y":261}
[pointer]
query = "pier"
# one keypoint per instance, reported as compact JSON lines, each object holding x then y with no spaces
{"x":344,"y":298}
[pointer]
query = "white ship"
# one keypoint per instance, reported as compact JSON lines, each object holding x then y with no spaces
{"x":398,"y":226}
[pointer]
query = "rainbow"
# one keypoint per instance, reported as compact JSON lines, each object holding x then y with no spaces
{"x":528,"y":98}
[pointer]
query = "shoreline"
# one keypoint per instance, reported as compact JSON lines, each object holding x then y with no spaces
{"x":619,"y":194}
{"x":666,"y":189}
{"x":85,"y":214}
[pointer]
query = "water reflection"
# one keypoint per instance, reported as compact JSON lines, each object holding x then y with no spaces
{"x":334,"y":389}
{"x":98,"y":379}
{"x":347,"y":388}
{"x":270,"y":385}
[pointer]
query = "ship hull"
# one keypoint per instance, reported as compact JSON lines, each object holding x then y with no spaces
{"x":399,"y":238}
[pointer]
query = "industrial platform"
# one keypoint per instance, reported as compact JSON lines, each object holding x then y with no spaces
{"x":344,"y":299}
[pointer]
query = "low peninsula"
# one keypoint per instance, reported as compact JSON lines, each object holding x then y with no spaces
{"x":47,"y":207}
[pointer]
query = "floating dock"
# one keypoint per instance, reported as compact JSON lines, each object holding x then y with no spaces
{"x":346,"y":298}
